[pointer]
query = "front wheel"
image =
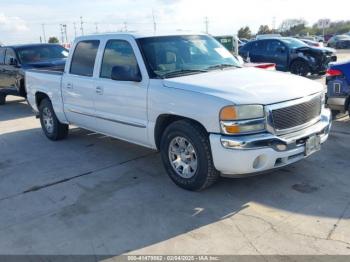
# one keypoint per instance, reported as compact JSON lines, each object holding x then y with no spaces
{"x":53,"y":129}
{"x":186,"y":155}
{"x":300,"y":68}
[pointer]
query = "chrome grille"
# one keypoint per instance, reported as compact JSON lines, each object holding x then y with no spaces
{"x":296,"y":115}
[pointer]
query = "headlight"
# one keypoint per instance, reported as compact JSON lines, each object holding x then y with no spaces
{"x":242,"y":119}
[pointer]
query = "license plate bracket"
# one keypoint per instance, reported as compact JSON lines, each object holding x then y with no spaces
{"x":312,"y":145}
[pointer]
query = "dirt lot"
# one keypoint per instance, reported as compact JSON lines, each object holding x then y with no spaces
{"x":91,"y":194}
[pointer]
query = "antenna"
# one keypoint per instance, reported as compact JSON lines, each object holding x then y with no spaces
{"x":96,"y":26}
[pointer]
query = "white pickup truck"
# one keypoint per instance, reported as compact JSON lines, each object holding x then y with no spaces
{"x":186,"y":96}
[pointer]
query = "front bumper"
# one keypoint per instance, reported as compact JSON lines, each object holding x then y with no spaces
{"x":243,"y":155}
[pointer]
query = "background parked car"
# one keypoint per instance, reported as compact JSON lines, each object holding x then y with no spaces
{"x":289,"y":54}
{"x":339,"y":42}
{"x":312,"y":43}
{"x":267,"y":36}
{"x":14,"y":60}
{"x":338,"y":87}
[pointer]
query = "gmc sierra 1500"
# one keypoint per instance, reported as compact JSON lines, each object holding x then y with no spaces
{"x":186,"y":96}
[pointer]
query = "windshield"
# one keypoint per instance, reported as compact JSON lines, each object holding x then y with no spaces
{"x":34,"y":54}
{"x":293,"y":43}
{"x":172,"y":56}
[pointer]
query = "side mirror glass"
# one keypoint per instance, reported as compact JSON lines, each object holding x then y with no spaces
{"x":13,"y":61}
{"x":126,"y":73}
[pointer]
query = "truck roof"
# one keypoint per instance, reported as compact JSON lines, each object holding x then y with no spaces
{"x":136,"y":35}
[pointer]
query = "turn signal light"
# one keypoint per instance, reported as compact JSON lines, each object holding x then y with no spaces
{"x":228,"y":113}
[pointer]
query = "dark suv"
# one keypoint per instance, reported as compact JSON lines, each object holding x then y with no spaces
{"x":14,"y":60}
{"x":289,"y":54}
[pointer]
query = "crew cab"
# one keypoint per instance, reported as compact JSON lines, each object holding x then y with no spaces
{"x":186,"y":96}
{"x":289,"y":55}
{"x":14,"y":60}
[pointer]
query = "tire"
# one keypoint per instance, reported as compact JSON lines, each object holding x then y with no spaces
{"x":300,"y":67}
{"x":334,"y":114}
{"x":53,"y":129}
{"x":204,"y":174}
{"x":2,"y":99}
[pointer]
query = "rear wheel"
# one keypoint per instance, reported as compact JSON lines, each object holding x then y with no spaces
{"x":186,"y":155}
{"x":300,"y":67}
{"x":2,"y":99}
{"x":53,"y":129}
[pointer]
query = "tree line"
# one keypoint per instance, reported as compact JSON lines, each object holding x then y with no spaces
{"x":294,"y":27}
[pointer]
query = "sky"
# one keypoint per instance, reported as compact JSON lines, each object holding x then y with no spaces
{"x":21,"y":21}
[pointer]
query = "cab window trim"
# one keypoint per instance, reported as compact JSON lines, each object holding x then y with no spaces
{"x":95,"y":59}
{"x":103,"y":57}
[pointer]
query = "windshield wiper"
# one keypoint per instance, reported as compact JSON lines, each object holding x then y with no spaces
{"x":221,"y":66}
{"x":183,"y":72}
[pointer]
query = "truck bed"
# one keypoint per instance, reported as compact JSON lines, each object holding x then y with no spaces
{"x":45,"y":81}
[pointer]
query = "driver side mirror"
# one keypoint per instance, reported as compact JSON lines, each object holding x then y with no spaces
{"x":126,"y":73}
{"x":13,"y":62}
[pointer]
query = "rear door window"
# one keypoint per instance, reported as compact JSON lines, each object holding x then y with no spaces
{"x":83,"y":60}
{"x":274,"y":46}
{"x":258,"y":46}
{"x":2,"y":55}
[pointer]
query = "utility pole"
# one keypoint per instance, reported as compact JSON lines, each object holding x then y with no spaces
{"x":206,"y":22}
{"x":81,"y":25}
{"x":96,"y":26}
{"x":125,"y":27}
{"x":154,"y":22}
{"x":44,"y":33}
{"x":75,"y":30}
{"x":62,"y":34}
{"x":65,"y":32}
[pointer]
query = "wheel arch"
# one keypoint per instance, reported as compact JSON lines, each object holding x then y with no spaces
{"x":301,"y":59}
{"x":164,"y":120}
{"x":39,"y":97}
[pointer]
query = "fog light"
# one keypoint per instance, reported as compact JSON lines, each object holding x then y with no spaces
{"x":281,"y":147}
{"x":259,"y":162}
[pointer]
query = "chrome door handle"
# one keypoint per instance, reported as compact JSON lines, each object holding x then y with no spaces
{"x":99,"y":90}
{"x":69,"y":86}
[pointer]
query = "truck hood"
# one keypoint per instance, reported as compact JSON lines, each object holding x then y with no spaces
{"x":52,"y":64}
{"x":247,"y":85}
